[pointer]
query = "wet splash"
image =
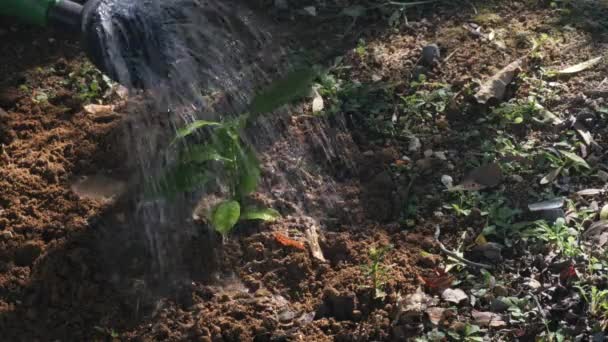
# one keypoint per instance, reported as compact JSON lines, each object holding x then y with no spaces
{"x":198,"y":60}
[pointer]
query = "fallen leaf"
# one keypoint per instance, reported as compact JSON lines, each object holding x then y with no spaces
{"x":435,"y":315}
{"x":98,"y":109}
{"x":604,"y":213}
{"x":440,"y":281}
{"x":547,"y":115}
{"x":584,"y":133}
{"x":597,"y":232}
{"x":415,"y":303}
{"x":580,"y":67}
{"x":287,"y":242}
{"x":551,"y":176}
{"x":555,"y":203}
{"x":447,"y":181}
{"x":568,"y":273}
{"x":488,"y":319}
{"x":495,"y":87}
{"x":312,"y":237}
{"x":490,"y":251}
{"x":590,"y":192}
{"x":573,"y":157}
{"x":317,"y":103}
{"x":455,"y":296}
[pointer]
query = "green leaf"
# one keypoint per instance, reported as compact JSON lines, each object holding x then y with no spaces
{"x":604,"y":213}
{"x":193,"y":127}
{"x":575,"y":159}
{"x":201,"y":154}
{"x":296,"y":84}
{"x":249,"y":172}
{"x":225,"y":216}
{"x":266,"y":214}
{"x":550,"y":177}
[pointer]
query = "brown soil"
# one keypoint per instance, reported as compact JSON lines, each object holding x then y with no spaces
{"x":55,"y":285}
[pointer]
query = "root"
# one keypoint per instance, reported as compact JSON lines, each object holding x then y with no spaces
{"x":456,"y":256}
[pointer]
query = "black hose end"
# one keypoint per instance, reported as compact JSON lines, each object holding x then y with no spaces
{"x":66,"y":15}
{"x":125,"y":41}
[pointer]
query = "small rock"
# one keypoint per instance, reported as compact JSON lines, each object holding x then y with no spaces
{"x":428,"y":153}
{"x":9,"y":96}
{"x":603,"y":175}
{"x":435,"y":315}
{"x":281,"y":4}
{"x":424,"y":164}
{"x":414,"y":145}
{"x":490,"y":251}
{"x":286,"y":315}
{"x":429,"y":260}
{"x":340,"y":306}
{"x":488,"y":319}
{"x":533,"y":284}
{"x":27,"y":254}
{"x":501,"y":291}
{"x":517,"y":178}
{"x":6,"y":235}
{"x":440,"y":155}
{"x":498,"y":305}
{"x":447,"y":181}
{"x":430,"y":54}
{"x":455,"y":296}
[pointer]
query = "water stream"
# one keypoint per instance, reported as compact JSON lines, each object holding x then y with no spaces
{"x":197,"y":59}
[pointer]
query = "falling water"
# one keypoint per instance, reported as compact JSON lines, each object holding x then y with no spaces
{"x":196,"y":59}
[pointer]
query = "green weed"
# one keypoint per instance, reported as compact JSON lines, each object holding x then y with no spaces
{"x":376,"y":270}
{"x":226,"y":159}
{"x":564,"y":238}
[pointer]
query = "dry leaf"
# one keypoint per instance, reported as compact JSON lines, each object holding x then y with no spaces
{"x":488,"y":319}
{"x":580,"y":67}
{"x":551,"y":204}
{"x":98,"y":109}
{"x":485,"y":176}
{"x":414,"y":304}
{"x":317,"y":103}
{"x":440,"y":281}
{"x":435,"y":315}
{"x":551,"y":176}
{"x":287,"y":242}
{"x":495,"y":87}
{"x":590,"y":192}
{"x":604,"y":213}
{"x":455,"y":296}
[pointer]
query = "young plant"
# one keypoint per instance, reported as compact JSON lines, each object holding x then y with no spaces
{"x":562,"y":161}
{"x":598,"y":304}
{"x":225,"y":158}
{"x":377,"y":271}
{"x":559,"y":234}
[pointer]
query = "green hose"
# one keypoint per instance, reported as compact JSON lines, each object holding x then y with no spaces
{"x":30,"y":11}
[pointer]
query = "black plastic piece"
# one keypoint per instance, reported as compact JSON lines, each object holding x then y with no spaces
{"x":66,"y":15}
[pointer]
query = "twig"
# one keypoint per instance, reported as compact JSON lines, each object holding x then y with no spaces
{"x":456,"y":256}
{"x":473,"y":6}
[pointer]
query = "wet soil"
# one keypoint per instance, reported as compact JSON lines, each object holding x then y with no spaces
{"x":59,"y":282}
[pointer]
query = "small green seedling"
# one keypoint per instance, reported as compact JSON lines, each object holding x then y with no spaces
{"x":226,"y":159}
{"x":377,"y":271}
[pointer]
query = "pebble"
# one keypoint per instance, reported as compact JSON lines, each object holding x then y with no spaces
{"x":501,"y":291}
{"x":603,"y":175}
{"x":281,"y":4}
{"x":286,"y":315}
{"x":6,"y":235}
{"x":414,"y":145}
{"x":440,"y":155}
{"x":430,"y":54}
{"x":428,"y":153}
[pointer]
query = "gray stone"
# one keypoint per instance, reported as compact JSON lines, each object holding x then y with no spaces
{"x":430,"y":54}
